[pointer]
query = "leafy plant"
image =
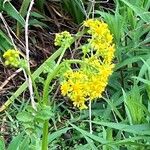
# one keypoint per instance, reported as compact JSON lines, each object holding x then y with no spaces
{"x":121,"y":119}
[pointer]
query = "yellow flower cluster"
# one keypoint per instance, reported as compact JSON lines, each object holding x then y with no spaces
{"x":11,"y":57}
{"x":89,"y":81}
{"x":63,"y":38}
{"x":101,"y":40}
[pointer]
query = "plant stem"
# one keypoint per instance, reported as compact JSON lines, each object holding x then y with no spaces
{"x":27,"y":54}
{"x":51,"y":76}
{"x":45,"y":97}
{"x":46,"y":90}
{"x":7,"y":29}
{"x":45,"y":102}
{"x":90,"y":117}
{"x":45,"y":136}
{"x":47,"y":83}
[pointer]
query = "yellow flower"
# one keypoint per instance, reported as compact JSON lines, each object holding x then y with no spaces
{"x":76,"y":87}
{"x":11,"y":57}
{"x":78,"y":100}
{"x":89,"y":81}
{"x":89,"y":23}
{"x":109,"y":38}
{"x":65,"y":87}
{"x":101,"y":40}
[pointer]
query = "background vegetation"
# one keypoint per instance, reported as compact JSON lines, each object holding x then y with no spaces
{"x":120,"y":119}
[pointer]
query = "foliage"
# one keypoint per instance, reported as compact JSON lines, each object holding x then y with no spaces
{"x":120,"y":120}
{"x":75,"y":8}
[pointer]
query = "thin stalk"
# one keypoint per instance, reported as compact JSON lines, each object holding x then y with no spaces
{"x":27,"y":54}
{"x":45,"y":97}
{"x":7,"y":28}
{"x":90,"y":117}
{"x":51,"y":76}
{"x":47,"y":83}
{"x":46,"y":91}
{"x":45,"y":102}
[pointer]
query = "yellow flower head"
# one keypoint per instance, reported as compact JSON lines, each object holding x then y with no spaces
{"x":63,"y":38}
{"x":86,"y":83}
{"x":89,"y":81}
{"x":11,"y":57}
{"x":101,"y":39}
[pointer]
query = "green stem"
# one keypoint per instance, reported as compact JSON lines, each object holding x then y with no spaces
{"x":45,"y":100}
{"x":45,"y":136}
{"x":46,"y":90}
{"x":47,"y":83}
{"x":51,"y":76}
{"x":45,"y":97}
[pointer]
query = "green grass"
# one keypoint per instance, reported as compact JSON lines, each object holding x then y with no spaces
{"x":121,"y":119}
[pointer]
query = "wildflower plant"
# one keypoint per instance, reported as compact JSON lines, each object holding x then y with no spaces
{"x":89,"y":81}
{"x":123,"y":121}
{"x":82,"y":84}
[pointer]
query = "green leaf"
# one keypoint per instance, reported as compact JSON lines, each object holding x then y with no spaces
{"x":14,"y":144}
{"x":24,"y":144}
{"x":37,"y":23}
{"x":133,"y":105}
{"x":45,"y":113}
{"x":25,"y":116}
{"x":142,"y":129}
{"x":2,"y":144}
{"x":92,"y":136}
{"x":75,"y":8}
{"x":22,"y":11}
{"x":5,"y":42}
{"x":24,"y":7}
{"x":131,"y":60}
{"x":142,"y":80}
{"x":56,"y":134}
{"x":11,"y":11}
{"x":37,"y":15}
{"x":142,"y":13}
{"x":132,"y":141}
{"x":91,"y":143}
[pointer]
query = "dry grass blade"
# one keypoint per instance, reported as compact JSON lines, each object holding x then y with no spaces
{"x":9,"y":78}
